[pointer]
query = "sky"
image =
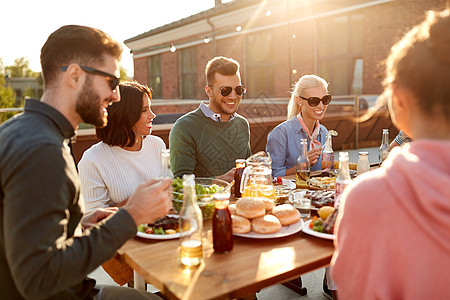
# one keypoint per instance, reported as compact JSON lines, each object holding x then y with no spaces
{"x":26,"y":24}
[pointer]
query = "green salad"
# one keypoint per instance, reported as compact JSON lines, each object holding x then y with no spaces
{"x":203,"y":193}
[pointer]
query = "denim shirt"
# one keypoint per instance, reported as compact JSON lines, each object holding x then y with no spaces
{"x":283,"y":144}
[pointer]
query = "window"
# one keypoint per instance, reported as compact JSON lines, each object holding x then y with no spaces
{"x":188,"y":73}
{"x":259,"y":65}
{"x":340,"y":62}
{"x":154,"y":76}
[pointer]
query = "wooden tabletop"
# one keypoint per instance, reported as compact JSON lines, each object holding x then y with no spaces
{"x":252,"y":264}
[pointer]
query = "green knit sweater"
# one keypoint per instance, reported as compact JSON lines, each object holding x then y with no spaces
{"x":206,"y":148}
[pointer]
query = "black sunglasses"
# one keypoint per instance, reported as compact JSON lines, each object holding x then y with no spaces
{"x":226,"y":90}
{"x":114,"y":80}
{"x":314,"y":101}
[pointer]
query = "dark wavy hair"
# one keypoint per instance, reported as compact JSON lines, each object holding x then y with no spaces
{"x":123,"y":115}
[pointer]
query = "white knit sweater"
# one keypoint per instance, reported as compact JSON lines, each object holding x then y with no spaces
{"x":109,"y":174}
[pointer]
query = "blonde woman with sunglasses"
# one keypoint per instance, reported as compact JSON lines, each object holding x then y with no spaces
{"x":307,"y":106}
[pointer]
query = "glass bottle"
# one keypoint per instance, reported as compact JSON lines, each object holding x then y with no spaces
{"x":303,"y":166}
{"x":384,"y":148}
{"x":190,"y":224}
{"x":363,"y":163}
{"x":328,"y":156}
{"x":165,"y":172}
{"x":222,"y":224}
{"x":342,"y":179}
{"x":240,"y":166}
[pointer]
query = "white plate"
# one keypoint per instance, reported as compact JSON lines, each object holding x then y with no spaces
{"x":159,"y":236}
{"x":284,"y":231}
{"x":288,"y":183}
{"x":309,"y":231}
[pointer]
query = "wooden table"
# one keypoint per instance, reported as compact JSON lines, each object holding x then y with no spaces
{"x":252,"y":264}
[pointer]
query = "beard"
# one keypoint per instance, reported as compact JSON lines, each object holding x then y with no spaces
{"x":221,"y":106}
{"x":89,"y":108}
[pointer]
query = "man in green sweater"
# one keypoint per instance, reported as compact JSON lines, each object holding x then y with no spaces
{"x":207,"y":141}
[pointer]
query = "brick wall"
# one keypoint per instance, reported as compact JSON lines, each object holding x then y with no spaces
{"x":383,"y":25}
{"x":170,"y":83}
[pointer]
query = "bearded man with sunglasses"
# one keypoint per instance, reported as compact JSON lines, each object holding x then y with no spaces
{"x":207,"y":141}
{"x":47,"y":244}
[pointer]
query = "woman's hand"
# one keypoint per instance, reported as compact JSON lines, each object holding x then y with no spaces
{"x":313,"y":155}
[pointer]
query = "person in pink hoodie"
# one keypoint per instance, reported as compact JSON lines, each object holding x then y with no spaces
{"x":393,"y":227}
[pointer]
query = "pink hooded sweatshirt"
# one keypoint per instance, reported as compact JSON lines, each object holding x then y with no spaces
{"x":393,"y":228}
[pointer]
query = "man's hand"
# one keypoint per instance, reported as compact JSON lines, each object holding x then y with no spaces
{"x":151,"y":201}
{"x":92,"y":218}
{"x":228,"y":176}
{"x":313,"y":155}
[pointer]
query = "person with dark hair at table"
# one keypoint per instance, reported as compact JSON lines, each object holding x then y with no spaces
{"x":47,"y":244}
{"x":393,"y":227}
{"x":207,"y":141}
{"x":127,"y":153}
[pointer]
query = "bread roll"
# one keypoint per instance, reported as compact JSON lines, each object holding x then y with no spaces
{"x":266,"y":224}
{"x":232,"y":208}
{"x":286,"y":213}
{"x":250,"y":208}
{"x":240,"y":224}
{"x":268,"y":203}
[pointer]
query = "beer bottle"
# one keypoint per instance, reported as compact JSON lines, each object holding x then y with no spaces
{"x":240,"y":166}
{"x":384,"y":148}
{"x":165,"y":172}
{"x":222,"y":224}
{"x":303,"y":166}
{"x":328,"y":156}
{"x":191,"y":225}
{"x":342,"y":179}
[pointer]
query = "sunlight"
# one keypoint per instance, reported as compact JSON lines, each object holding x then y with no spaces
{"x":277,"y":259}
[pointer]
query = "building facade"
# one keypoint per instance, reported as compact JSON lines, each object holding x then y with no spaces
{"x":276,"y":42}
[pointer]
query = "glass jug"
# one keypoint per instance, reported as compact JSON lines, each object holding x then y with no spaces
{"x":257,"y":177}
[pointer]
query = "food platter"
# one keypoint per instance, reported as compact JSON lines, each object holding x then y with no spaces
{"x":284,"y":231}
{"x":309,"y":231}
{"x":159,"y":236}
{"x":287,"y":183}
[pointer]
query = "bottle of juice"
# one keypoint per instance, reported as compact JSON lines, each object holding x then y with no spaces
{"x":191,"y":225}
{"x":303,"y":167}
{"x":342,"y":179}
{"x":240,"y":166}
{"x":222,"y":224}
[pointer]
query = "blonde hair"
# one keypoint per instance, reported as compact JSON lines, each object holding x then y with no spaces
{"x":305,"y":82}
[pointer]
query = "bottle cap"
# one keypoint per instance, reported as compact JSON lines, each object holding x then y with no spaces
{"x":343,"y":155}
{"x":189,"y":179}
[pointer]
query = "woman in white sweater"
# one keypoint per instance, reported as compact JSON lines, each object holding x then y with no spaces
{"x":126,"y":155}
